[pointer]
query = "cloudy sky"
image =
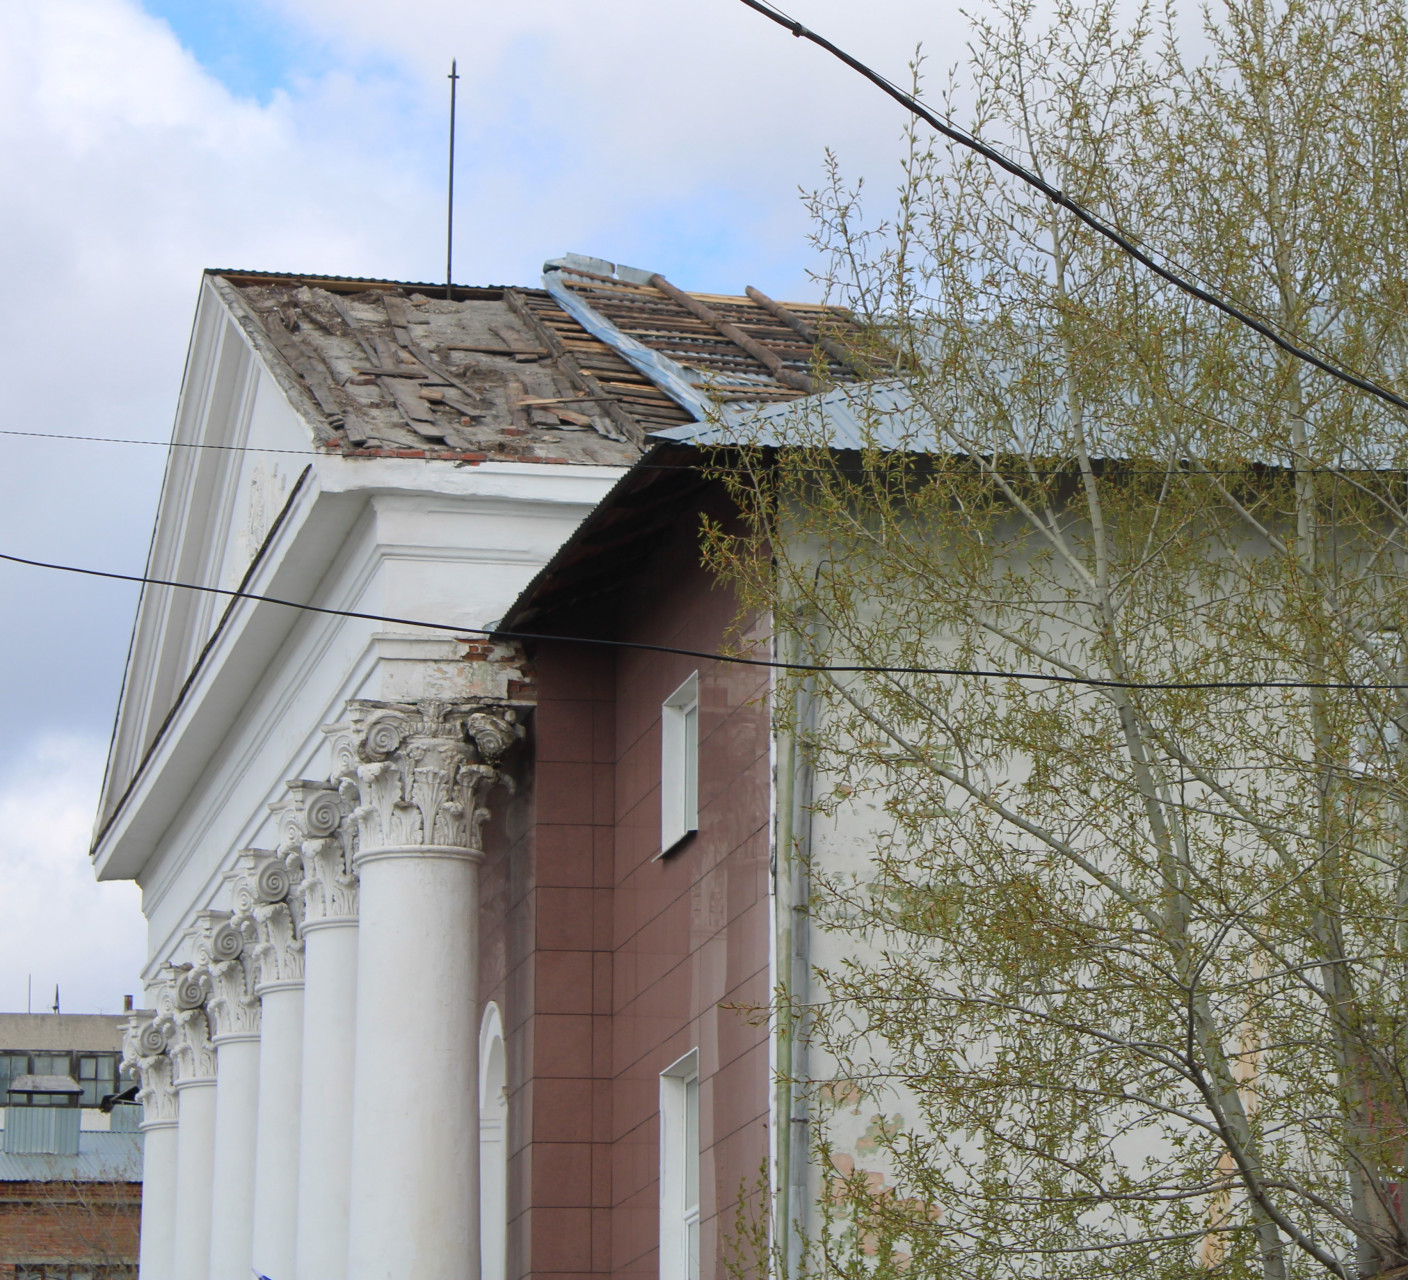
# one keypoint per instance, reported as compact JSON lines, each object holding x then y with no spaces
{"x":142,"y":142}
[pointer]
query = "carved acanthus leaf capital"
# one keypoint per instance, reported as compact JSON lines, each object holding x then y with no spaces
{"x":316,"y":835}
{"x":220,"y":942}
{"x":268,"y":897}
{"x":181,"y":1019}
{"x":421,"y":772}
{"x":144,"y":1054}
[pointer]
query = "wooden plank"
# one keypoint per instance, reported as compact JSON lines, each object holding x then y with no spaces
{"x":314,"y":373}
{"x":406,"y":398}
{"x":629,"y":428}
{"x":496,"y":351}
{"x":795,"y":322}
{"x":395,"y":308}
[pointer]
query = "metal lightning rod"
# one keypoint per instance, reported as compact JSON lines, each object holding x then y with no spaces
{"x":450,"y":204}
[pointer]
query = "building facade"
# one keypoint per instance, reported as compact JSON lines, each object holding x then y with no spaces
{"x":452,"y":973}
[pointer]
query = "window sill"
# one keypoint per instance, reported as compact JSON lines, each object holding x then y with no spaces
{"x":676,"y":847}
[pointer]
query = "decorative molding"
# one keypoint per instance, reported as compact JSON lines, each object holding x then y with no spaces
{"x":315,"y":836}
{"x":268,"y":896}
{"x":144,"y":1054}
{"x":420,"y":772}
{"x":181,"y":1019}
{"x":220,"y":941}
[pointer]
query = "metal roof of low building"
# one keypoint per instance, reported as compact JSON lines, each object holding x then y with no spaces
{"x":872,"y":415}
{"x":102,"y":1157}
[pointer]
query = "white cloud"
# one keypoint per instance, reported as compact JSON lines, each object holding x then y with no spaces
{"x":57,"y":924}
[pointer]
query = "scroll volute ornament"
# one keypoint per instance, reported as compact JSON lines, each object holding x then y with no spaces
{"x":181,"y":1020}
{"x":422,"y":771}
{"x":267,"y":894}
{"x":144,"y":1055}
{"x":314,"y":836}
{"x":220,"y":941}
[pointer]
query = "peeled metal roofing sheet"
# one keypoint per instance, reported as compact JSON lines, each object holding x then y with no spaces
{"x":102,"y":1157}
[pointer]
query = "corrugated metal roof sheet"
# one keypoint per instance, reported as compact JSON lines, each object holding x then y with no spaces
{"x":859,"y":416}
{"x":102,"y":1157}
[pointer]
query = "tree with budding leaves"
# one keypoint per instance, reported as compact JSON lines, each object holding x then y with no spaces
{"x":1109,"y":936}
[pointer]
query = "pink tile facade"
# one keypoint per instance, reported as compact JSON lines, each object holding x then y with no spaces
{"x":608,"y":964}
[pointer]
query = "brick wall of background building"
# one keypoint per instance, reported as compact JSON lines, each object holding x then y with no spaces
{"x":93,"y":1223}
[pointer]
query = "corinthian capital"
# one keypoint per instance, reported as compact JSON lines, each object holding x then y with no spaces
{"x":220,"y":941}
{"x":268,"y":898}
{"x":315,"y":840}
{"x":420,"y":772}
{"x":181,"y":1020}
{"x":144,"y":1054}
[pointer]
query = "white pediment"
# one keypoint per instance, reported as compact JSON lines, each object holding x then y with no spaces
{"x":239,"y":449}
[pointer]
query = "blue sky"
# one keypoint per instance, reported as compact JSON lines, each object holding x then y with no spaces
{"x":249,"y":47}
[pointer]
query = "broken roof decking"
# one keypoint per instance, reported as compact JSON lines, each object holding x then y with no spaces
{"x":383,"y":367}
{"x":732,"y":351}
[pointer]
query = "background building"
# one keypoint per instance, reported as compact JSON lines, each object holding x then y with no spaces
{"x":70,"y":1160}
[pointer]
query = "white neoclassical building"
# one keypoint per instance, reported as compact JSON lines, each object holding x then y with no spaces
{"x":344,"y":1027}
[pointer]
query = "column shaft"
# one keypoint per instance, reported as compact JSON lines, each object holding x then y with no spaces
{"x":195,"y":1153}
{"x":415,"y":1158}
{"x":276,"y":1141}
{"x":325,"y":1109}
{"x":159,"y":1156}
{"x":232,"y":1191}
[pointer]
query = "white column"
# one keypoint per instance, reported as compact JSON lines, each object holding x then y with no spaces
{"x":195,"y":1155}
{"x":317,"y":816}
{"x":181,"y":1016}
{"x":268,"y":893}
{"x":421,"y":774}
{"x":144,"y":1053}
{"x":233,"y":1013}
{"x":158,"y":1231}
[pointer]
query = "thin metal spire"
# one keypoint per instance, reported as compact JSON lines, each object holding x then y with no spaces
{"x":450,"y":207}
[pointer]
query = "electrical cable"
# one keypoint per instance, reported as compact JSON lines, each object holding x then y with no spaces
{"x":1059,"y":198}
{"x":1092,"y":682}
{"x":712,"y":467}
{"x":159,"y":444}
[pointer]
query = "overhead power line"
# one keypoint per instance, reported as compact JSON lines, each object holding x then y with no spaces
{"x":1093,"y":682}
{"x":710,"y":465}
{"x":1060,"y":198}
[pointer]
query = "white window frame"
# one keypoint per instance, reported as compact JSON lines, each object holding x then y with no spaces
{"x":1387,"y":643}
{"x":679,"y":764}
{"x":679,"y":1159}
{"x":493,"y":1147}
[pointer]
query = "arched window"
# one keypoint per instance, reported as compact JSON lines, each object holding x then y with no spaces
{"x":493,"y":1148}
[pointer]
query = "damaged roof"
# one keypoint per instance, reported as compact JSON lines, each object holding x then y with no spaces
{"x":583,"y":371}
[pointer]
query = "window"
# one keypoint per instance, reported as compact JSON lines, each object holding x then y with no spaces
{"x":493,"y":1148}
{"x":679,"y":764}
{"x":679,"y":1169}
{"x":96,"y":1074}
{"x":1374,"y":750}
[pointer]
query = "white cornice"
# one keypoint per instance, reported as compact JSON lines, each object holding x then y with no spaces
{"x":294,"y":566}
